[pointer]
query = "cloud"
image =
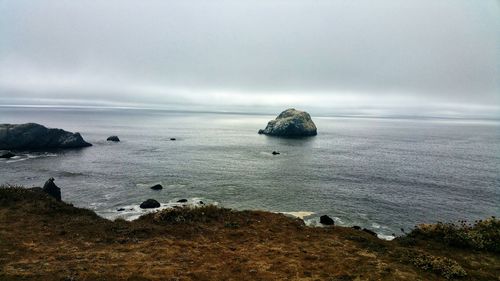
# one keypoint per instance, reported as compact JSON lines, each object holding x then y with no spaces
{"x":335,"y":56}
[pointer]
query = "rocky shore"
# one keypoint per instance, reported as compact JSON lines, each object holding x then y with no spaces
{"x":42,"y":238}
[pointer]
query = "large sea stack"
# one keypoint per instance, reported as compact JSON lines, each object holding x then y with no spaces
{"x":291,"y":123}
{"x":36,"y":136}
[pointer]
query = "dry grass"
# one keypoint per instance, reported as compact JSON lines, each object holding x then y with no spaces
{"x":41,"y":239}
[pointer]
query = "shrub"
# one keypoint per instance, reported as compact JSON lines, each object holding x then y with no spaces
{"x":483,"y":235}
{"x":446,"y":267}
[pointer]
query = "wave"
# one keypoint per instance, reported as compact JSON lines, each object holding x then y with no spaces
{"x":132,"y":212}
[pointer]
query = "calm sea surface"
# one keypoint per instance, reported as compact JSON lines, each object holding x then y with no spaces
{"x":384,"y":174}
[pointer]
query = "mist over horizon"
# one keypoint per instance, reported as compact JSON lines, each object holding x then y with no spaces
{"x":392,"y":58}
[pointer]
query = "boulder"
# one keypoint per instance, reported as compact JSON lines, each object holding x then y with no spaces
{"x":326,"y":220}
{"x":357,"y":227}
{"x":113,"y":138}
{"x":6,"y":154}
{"x":157,"y":187}
{"x":182,"y":201}
{"x":36,"y":136}
{"x":150,"y":204}
{"x":51,"y":189}
{"x":291,"y":123}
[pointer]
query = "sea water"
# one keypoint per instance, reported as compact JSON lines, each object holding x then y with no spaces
{"x":380,"y":173}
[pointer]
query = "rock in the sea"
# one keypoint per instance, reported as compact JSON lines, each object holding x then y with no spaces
{"x":357,"y":227}
{"x":36,"y":136}
{"x":150,"y":204}
{"x":291,"y":123}
{"x":52,"y":189}
{"x":371,"y":232}
{"x":182,"y":201}
{"x":326,"y":220}
{"x":121,"y":209}
{"x":275,"y":153}
{"x":6,"y":154}
{"x":113,"y":138}
{"x":172,"y":139}
{"x":157,"y":187}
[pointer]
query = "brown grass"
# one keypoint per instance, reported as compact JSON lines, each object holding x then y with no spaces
{"x":42,"y":239}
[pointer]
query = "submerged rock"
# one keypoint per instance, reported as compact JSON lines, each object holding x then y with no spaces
{"x":157,"y":187}
{"x":52,"y":189}
{"x":326,"y":220}
{"x":291,"y":123}
{"x":6,"y":154}
{"x":36,"y":136}
{"x":121,"y":209}
{"x":113,"y":138}
{"x":150,"y":204}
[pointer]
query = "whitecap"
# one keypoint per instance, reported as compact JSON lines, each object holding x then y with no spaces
{"x":132,"y":212}
{"x":300,"y":214}
{"x":385,"y":237}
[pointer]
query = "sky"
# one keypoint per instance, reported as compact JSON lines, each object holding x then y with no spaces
{"x":362,"y":57}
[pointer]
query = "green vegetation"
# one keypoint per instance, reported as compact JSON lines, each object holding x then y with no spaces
{"x":483,"y":235}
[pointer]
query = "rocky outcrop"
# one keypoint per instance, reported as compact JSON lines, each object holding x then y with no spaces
{"x":6,"y":154}
{"x":36,"y":136}
{"x":291,"y":123}
{"x":113,"y":138}
{"x":326,"y":220}
{"x":150,"y":204}
{"x":52,"y":189}
{"x":157,"y":187}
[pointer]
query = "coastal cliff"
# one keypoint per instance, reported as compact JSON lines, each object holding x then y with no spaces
{"x":45,"y":239}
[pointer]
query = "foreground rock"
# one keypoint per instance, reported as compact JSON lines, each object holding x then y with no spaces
{"x":150,"y":204}
{"x":291,"y":123}
{"x":6,"y":154}
{"x":326,"y":220}
{"x":52,"y":189}
{"x":36,"y":136}
{"x":113,"y":138}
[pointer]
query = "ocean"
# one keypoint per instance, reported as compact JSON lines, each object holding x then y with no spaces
{"x":380,"y":173}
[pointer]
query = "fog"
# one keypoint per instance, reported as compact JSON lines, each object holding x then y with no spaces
{"x":422,"y":57}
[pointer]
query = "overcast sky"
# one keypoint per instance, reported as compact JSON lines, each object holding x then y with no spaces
{"x":432,"y":57}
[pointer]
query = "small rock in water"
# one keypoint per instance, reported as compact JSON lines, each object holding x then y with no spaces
{"x":326,"y":220}
{"x":371,"y":232}
{"x":6,"y":154}
{"x":113,"y":138}
{"x":201,"y":203}
{"x":51,"y":189}
{"x":182,"y":201}
{"x":357,"y":227}
{"x":121,"y":210}
{"x":150,"y":204}
{"x":276,"y":153}
{"x":172,"y":139}
{"x":157,"y":187}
